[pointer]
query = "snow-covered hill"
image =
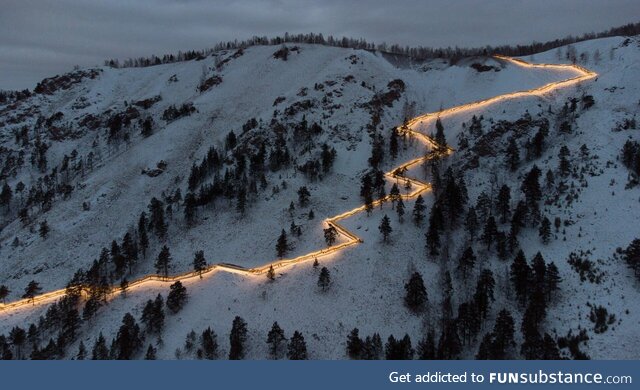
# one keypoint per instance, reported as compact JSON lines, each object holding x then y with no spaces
{"x":352,"y":95}
{"x":117,"y":192}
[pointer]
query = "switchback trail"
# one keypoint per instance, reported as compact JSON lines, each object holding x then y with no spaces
{"x":418,"y":187}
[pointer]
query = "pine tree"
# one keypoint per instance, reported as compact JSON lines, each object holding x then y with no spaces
{"x":209,"y":344}
{"x":368,"y":203}
{"x":440,"y":138}
{"x":295,"y":229}
{"x":117,"y":258}
{"x":190,"y":204}
{"x":275,"y":340}
{"x":394,"y":195}
{"x":90,"y":308}
{"x":237,"y":338}
{"x":241,"y":201}
{"x":433,"y":239}
{"x":629,"y":151}
{"x":545,"y":230}
{"x":513,"y":155}
{"x":377,"y":151}
{"x":82,"y":352}
{"x":163,"y":262}
{"x":44,"y":229}
{"x":453,"y":197}
{"x":471,"y":223}
{"x":550,"y":350}
{"x":483,"y":207}
{"x":632,"y":256}
{"x":297,"y":349}
{"x":324,"y":279}
{"x":199,"y":263}
{"x":468,"y":321}
{"x":564,"y":166}
{"x":484,"y":292}
{"x":328,"y":157}
{"x":153,"y":315}
{"x":537,"y":143}
{"x":449,"y":346}
{"x":33,"y":334}
{"x":466,"y":262}
{"x":446,"y":306}
{"x":520,"y":273}
{"x":50,"y":352}
{"x":303,"y":196}
{"x":537,"y":305}
{"x":18,"y":336}
{"x":100,"y":350}
{"x":143,"y":239}
{"x":372,"y":348}
{"x":177,"y":297}
{"x":230,"y":141}
{"x":282,"y":246}
{"x":128,"y":340}
{"x":151,"y":353}
{"x":32,"y":289}
{"x":147,"y":127}
{"x":549,"y":180}
{"x":330,"y":235}
{"x":426,"y":348}
{"x":490,"y":232}
{"x":538,"y":268}
{"x":4,"y":292}
{"x":385,"y":228}
{"x":416,"y":293}
{"x":531,"y":186}
{"x":503,"y":332}
{"x":355,"y":346}
{"x":5,"y":350}
{"x":393,"y":143}
{"x":5,"y":196}
{"x":552,"y":280}
{"x":70,"y":324}
{"x":518,"y":218}
{"x":532,"y":347}
{"x":157,"y":221}
{"x":407,"y":185}
{"x":400,"y":210}
{"x":504,"y":203}
{"x":418,"y":210}
{"x":484,"y":350}
{"x":190,"y":342}
{"x":382,"y":194}
{"x":399,"y":349}
{"x":129,"y":251}
{"x":366,"y":186}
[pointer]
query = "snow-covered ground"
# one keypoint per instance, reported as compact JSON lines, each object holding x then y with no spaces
{"x":368,"y":279}
{"x":118,"y":192}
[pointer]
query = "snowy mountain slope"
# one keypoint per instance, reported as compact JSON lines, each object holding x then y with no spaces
{"x":117,"y":192}
{"x":603,"y":217}
{"x":368,"y":279}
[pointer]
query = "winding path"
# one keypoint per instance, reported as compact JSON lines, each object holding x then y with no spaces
{"x":417,"y":187}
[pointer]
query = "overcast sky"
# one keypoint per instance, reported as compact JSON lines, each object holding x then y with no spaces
{"x":42,"y":38}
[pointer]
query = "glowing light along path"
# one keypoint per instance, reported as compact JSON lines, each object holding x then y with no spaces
{"x":417,"y":187}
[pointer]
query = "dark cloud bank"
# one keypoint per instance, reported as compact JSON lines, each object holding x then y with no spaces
{"x":41,"y":38}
